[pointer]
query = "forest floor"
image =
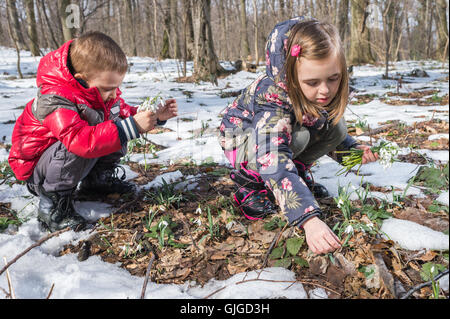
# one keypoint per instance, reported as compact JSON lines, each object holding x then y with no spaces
{"x":199,"y":234}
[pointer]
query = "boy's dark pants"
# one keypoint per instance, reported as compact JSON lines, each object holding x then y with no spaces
{"x":59,"y":170}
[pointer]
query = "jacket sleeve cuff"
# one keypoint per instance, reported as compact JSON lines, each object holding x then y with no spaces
{"x":160,"y":123}
{"x":348,"y":143}
{"x":299,"y":222}
{"x":127,"y":130}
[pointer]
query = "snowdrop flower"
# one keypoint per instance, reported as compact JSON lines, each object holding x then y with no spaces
{"x":198,"y":222}
{"x":349,"y":229}
{"x":340,"y":203}
{"x":198,"y":210}
{"x":163,"y":224}
{"x":151,"y":104}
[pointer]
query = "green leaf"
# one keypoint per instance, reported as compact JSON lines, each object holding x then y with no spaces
{"x":301,"y":262}
{"x":285,"y":263}
{"x":277,"y":253}
{"x":293,"y":245}
{"x":430,"y":270}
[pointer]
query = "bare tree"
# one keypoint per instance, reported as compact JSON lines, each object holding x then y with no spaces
{"x":15,"y":24}
{"x":245,"y":47}
{"x":13,"y":34}
{"x":255,"y":22}
{"x":360,"y":50}
{"x":66,"y":29}
{"x":31,"y":27}
{"x":206,"y":64}
{"x":442,"y":31}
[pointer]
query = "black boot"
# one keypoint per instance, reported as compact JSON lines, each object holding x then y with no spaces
{"x":56,"y":211}
{"x":103,"y":179}
{"x":318,"y":190}
{"x":252,"y":197}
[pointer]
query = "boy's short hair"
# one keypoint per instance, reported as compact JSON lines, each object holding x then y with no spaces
{"x":94,"y":52}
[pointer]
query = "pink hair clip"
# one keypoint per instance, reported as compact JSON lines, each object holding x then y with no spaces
{"x":296,"y":50}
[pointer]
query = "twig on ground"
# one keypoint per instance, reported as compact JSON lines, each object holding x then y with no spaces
{"x":5,"y":292}
{"x":147,"y":275}
{"x":8,"y":278}
{"x":50,"y":292}
{"x":275,"y":241}
{"x":413,"y":290}
{"x":186,"y":226}
{"x":38,"y":243}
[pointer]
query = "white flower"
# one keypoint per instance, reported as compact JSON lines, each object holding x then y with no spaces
{"x":198,"y":210}
{"x":340,"y":203}
{"x":349,"y":229}
{"x":163,"y":224}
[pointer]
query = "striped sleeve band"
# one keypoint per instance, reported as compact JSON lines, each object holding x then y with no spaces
{"x":127,"y":130}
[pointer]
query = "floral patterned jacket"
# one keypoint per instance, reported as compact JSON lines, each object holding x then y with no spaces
{"x":264,"y":110}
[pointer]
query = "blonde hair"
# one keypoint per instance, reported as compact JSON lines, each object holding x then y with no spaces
{"x":96,"y":52}
{"x":318,"y":40}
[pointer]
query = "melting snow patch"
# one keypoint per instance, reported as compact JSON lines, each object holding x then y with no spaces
{"x":443,"y":198}
{"x":412,"y":236}
{"x":268,"y":288}
{"x":167,"y":177}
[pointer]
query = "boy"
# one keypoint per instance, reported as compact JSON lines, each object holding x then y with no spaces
{"x":77,"y":128}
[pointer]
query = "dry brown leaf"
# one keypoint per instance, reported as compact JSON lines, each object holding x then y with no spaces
{"x":428,"y":256}
{"x":348,"y":267}
{"x":219,"y":255}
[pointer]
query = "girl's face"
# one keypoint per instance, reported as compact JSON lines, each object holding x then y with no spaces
{"x":319,"y":80}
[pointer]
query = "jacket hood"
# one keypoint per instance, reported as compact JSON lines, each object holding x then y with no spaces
{"x":53,"y":71}
{"x":276,"y":47}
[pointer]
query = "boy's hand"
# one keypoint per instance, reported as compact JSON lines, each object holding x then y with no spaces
{"x":368,"y":156}
{"x":168,"y":111}
{"x":320,"y":237}
{"x":145,"y":121}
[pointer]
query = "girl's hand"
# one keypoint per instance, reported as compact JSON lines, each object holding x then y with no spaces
{"x":368,"y":156}
{"x":320,"y":237}
{"x":168,"y":111}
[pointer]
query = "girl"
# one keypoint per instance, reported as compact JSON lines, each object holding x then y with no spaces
{"x":287,"y":119}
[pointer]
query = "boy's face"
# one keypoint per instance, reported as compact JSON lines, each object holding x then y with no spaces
{"x":107,"y":83}
{"x":319,"y":80}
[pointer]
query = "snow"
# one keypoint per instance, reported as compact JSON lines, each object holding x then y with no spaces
{"x":412,"y":236}
{"x":443,"y":198}
{"x":33,"y":274}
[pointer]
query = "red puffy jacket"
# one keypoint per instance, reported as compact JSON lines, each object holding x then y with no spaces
{"x":65,"y":111}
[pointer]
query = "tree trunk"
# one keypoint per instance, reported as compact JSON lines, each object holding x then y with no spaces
{"x":67,"y":30}
{"x":130,"y":23}
{"x":189,"y":30}
{"x":55,"y":43}
{"x":15,"y":24}
{"x":245,"y":47}
{"x":343,"y":21}
{"x":174,"y":29}
{"x":45,"y":42}
{"x":255,"y":22}
{"x":360,"y":51}
{"x":118,"y":12}
{"x":13,"y":35}
{"x":165,"y":52}
{"x":206,"y":64}
{"x":442,"y":32}
{"x":31,"y":27}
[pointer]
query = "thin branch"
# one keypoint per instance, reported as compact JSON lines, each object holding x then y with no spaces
{"x":413,"y":290}
{"x":147,"y":275}
{"x":50,"y":292}
{"x":38,"y":243}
